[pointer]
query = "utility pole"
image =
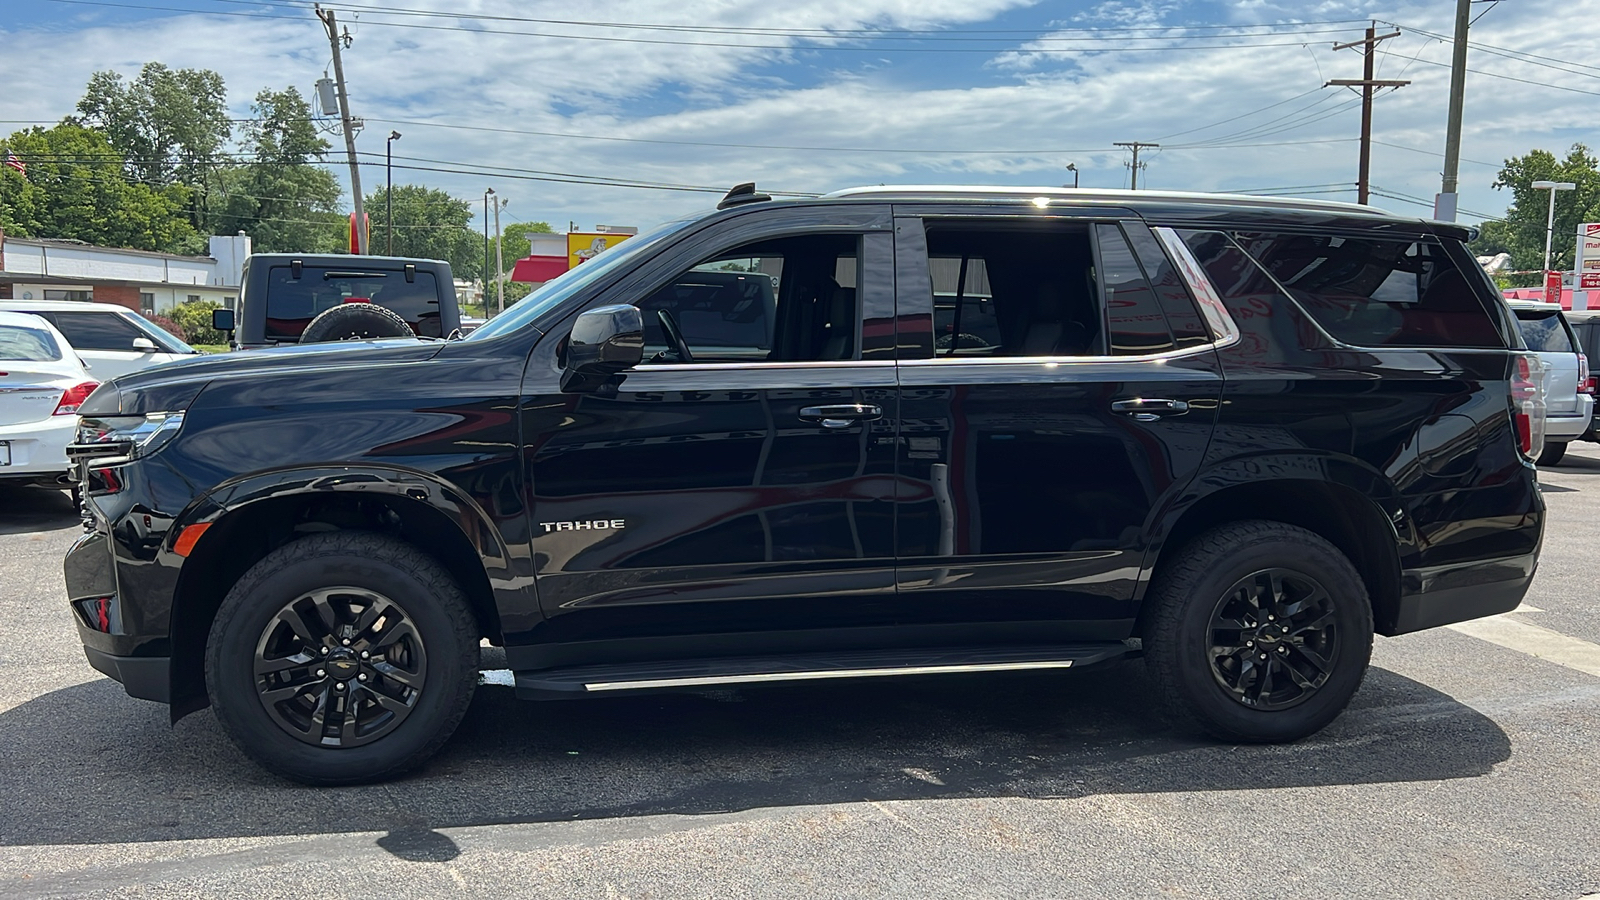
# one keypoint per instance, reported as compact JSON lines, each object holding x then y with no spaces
{"x":1137,"y":146}
{"x":499,"y":261}
{"x":335,"y":39}
{"x":1444,"y":207}
{"x":487,"y":192}
{"x":1368,"y":47}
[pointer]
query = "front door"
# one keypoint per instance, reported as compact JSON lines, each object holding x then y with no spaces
{"x":741,"y":479}
{"x":1064,"y":394}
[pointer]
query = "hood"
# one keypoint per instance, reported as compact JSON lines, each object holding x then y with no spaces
{"x":173,"y":386}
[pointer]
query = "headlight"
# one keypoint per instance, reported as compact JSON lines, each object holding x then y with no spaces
{"x":112,"y":439}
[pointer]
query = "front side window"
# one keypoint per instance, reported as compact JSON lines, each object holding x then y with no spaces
{"x":781,"y":300}
{"x":296,"y":295}
{"x":1376,"y":292}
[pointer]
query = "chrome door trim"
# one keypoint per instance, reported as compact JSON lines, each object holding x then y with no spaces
{"x":1223,"y":329}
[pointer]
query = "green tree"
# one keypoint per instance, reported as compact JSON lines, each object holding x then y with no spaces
{"x":76,"y":187}
{"x":1522,"y":232}
{"x":171,"y":124}
{"x":283,"y":199}
{"x":194,"y":320}
{"x":428,"y":224}
{"x":517,"y":245}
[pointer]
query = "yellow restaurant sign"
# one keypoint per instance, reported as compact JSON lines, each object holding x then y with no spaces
{"x":582,"y":245}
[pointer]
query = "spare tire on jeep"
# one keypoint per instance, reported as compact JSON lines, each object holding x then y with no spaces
{"x":353,"y":322}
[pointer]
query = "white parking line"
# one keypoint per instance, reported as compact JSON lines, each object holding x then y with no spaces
{"x":1551,"y":646}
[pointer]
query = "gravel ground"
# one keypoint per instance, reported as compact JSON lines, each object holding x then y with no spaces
{"x":1463,"y":769}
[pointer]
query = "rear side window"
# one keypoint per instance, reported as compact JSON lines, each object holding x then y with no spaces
{"x":96,"y":330}
{"x":1545,"y":331}
{"x":1375,"y":293}
{"x":27,"y":344}
{"x":295,"y":296}
{"x":1183,"y":317}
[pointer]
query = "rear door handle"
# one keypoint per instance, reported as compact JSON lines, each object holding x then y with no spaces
{"x":1149,"y":409}
{"x":841,"y":415}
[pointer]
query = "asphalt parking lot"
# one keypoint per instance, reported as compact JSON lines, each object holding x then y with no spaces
{"x":1466,"y":767}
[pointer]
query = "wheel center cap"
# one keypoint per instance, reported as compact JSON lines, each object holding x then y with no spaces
{"x":342,"y":664}
{"x":1267,"y":637}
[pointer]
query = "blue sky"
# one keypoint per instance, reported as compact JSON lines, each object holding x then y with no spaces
{"x":980,"y":91}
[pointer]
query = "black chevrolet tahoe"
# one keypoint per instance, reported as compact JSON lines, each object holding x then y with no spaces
{"x":888,"y":431}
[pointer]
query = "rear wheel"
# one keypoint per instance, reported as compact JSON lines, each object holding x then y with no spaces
{"x":1552,"y":453}
{"x":342,"y":658}
{"x":1259,"y":632}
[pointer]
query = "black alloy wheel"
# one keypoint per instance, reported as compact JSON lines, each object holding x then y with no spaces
{"x":1274,"y":637}
{"x":1256,"y":631}
{"x":342,"y":657}
{"x":340,"y":667}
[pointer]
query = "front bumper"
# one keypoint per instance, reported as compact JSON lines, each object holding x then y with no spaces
{"x":144,"y":677}
{"x":109,"y":631}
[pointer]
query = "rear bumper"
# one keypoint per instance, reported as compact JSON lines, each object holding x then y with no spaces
{"x":38,"y":449}
{"x":1570,"y":427}
{"x":1440,"y":595}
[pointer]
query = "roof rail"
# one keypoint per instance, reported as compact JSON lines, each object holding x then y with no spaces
{"x":742,"y":193}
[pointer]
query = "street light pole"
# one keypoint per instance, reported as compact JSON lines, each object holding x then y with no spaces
{"x":1550,"y":218}
{"x":388,"y":187}
{"x":487,"y":193}
{"x":1073,"y":168}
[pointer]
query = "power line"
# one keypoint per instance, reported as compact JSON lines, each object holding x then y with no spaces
{"x":1239,"y":116}
{"x":747,"y":46}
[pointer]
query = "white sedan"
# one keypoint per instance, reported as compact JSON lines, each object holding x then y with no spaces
{"x":42,"y":383}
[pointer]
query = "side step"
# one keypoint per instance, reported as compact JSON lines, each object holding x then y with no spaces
{"x":576,"y":681}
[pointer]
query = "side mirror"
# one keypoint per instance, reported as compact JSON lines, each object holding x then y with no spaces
{"x":222,"y":319}
{"x":144,"y":345}
{"x":603,"y":342}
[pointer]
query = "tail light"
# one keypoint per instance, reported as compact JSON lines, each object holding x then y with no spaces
{"x":74,"y":397}
{"x":1528,"y":403}
{"x":1586,"y":382}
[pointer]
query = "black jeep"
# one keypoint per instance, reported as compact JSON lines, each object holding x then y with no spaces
{"x":882,"y":432}
{"x":295,"y":298}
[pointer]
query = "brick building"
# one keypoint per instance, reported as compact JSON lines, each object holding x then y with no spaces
{"x":142,"y":280}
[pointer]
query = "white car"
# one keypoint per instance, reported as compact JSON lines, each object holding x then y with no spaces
{"x":1569,"y":401}
{"x":112,"y":340}
{"x":42,"y":383}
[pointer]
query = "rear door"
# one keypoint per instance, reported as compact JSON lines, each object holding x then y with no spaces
{"x":297,"y":293}
{"x":1061,"y":397}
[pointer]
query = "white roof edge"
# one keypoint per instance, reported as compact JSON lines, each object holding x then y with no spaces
{"x":1096,"y":193}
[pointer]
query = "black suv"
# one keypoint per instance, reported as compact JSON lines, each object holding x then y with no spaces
{"x":295,"y":298}
{"x":888,"y":431}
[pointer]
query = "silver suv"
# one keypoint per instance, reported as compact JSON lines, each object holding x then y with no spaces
{"x":1569,"y":398}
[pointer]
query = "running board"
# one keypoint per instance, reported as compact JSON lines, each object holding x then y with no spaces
{"x":576,"y":681}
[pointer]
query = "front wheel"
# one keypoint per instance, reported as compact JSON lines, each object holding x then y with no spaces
{"x":1259,"y":632}
{"x":341,"y":658}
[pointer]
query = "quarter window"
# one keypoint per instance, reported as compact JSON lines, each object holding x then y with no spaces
{"x":1376,"y":292}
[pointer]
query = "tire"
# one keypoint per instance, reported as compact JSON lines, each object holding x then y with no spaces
{"x":1552,"y":453}
{"x":355,"y":321}
{"x":412,"y":689}
{"x":1208,"y":584}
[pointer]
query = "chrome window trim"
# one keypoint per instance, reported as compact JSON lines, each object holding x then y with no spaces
{"x":765,"y":365}
{"x":1199,"y":350}
{"x":1223,"y":328}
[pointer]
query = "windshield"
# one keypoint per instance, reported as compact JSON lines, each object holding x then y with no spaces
{"x":160,"y":335}
{"x":553,"y":292}
{"x":27,"y":344}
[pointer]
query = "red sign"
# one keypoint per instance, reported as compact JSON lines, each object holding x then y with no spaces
{"x":1589,"y":281}
{"x":1552,"y":287}
{"x":355,"y":242}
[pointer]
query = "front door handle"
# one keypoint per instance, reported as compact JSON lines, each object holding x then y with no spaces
{"x":841,"y":415}
{"x":1149,"y":409}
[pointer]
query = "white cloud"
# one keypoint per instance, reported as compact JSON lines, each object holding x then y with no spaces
{"x":1060,"y":108}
